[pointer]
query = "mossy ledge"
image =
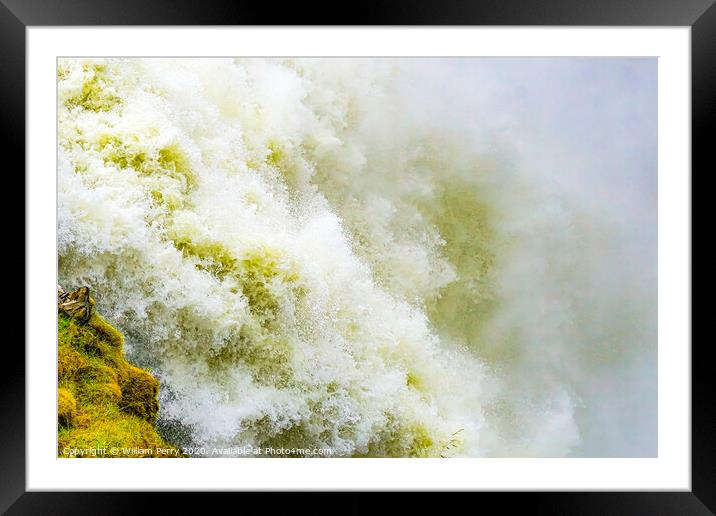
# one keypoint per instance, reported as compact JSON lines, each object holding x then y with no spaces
{"x":103,"y":401}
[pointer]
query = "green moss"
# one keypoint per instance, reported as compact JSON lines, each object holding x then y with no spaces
{"x":83,"y":338}
{"x":139,"y":393}
{"x":128,"y":436}
{"x":66,"y":407}
{"x":106,"y":331}
{"x":98,"y":392}
{"x":103,"y":401}
{"x":96,"y":372}
{"x":69,"y":362}
{"x":96,"y":95}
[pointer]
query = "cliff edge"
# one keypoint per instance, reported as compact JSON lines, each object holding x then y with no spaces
{"x":106,"y":407}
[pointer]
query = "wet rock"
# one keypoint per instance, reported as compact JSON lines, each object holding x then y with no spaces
{"x":77,"y":303}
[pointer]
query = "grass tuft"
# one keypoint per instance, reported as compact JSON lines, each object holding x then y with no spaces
{"x":104,"y":402}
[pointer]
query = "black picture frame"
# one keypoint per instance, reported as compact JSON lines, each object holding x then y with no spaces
{"x":17,"y":15}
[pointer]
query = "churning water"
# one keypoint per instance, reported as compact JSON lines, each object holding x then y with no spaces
{"x":385,"y":257}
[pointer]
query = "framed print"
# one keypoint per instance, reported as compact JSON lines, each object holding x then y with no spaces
{"x":438,"y":250}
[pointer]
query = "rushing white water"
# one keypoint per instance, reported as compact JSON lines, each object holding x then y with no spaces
{"x":382,"y":257}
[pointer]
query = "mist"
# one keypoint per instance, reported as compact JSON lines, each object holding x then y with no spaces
{"x":584,"y":133}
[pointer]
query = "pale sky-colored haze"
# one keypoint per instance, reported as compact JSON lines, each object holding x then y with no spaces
{"x":584,"y":129}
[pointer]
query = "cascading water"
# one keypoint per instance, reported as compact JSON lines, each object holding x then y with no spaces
{"x":376,"y":256}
